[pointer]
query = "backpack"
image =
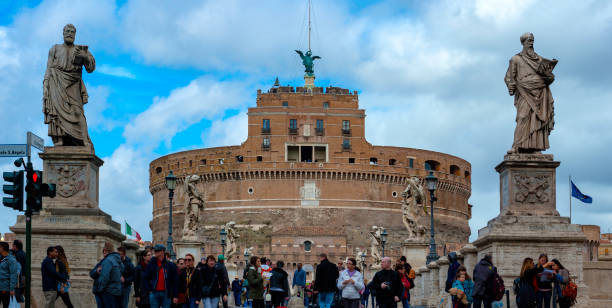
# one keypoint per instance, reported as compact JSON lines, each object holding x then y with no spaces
{"x":525,"y":294}
{"x":498,"y":287}
{"x":570,"y":291}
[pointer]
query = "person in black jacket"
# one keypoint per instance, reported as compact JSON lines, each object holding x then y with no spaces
{"x":325,"y":281}
{"x":141,"y":294}
{"x":190,"y":283}
{"x":162,"y":279}
{"x":484,"y":274}
{"x":388,"y":285}
{"x":523,"y":286}
{"x":127,"y":277}
{"x":50,"y":277}
{"x":213,"y":284}
{"x":279,"y":285}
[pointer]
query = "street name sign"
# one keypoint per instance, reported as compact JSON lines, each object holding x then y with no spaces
{"x":13,"y":150}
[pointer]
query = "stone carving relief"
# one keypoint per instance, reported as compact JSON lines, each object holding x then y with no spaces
{"x":194,"y":203}
{"x":358,"y":253}
{"x":71,"y":179}
{"x":531,"y":188}
{"x":413,"y":208}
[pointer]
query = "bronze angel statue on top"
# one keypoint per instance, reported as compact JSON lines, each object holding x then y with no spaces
{"x":308,"y":61}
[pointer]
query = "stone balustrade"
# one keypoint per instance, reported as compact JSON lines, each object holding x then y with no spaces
{"x":430,"y":280}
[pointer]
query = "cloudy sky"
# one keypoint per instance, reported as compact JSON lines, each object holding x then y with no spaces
{"x":430,"y":75}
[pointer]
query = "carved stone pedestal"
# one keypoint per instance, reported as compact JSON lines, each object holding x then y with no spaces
{"x":309,"y":81}
{"x":72,"y":219}
{"x":528,"y":185}
{"x":416,"y":252}
{"x":193,"y":247}
{"x":529,"y":224}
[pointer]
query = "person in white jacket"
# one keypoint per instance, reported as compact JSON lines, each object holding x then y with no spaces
{"x":350,"y":284}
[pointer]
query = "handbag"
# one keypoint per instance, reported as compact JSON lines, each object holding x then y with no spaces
{"x":206,"y":290}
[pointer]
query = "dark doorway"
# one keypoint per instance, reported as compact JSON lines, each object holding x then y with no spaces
{"x":306,"y":154}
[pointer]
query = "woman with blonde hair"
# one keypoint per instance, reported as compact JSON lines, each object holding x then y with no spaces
{"x":62,"y":267}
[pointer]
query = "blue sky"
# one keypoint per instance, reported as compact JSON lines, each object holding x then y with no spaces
{"x":430,"y":75}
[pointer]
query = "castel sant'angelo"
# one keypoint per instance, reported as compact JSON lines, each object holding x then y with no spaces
{"x":307,"y":181}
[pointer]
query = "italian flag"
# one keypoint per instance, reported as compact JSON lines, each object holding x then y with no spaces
{"x":132,"y":232}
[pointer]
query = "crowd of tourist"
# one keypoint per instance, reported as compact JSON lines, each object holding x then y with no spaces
{"x":158,"y":282}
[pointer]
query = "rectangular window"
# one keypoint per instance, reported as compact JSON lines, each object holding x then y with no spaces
{"x":293,"y":123}
{"x":285,"y":104}
{"x":319,"y":129}
{"x":259,"y":158}
{"x":319,"y":124}
{"x":265,"y":127}
{"x":326,"y":105}
{"x":351,"y":160}
{"x":293,"y":153}
{"x":411,"y":162}
{"x":266,"y":142}
{"x":320,"y":154}
{"x":346,"y":144}
{"x":346,"y":125}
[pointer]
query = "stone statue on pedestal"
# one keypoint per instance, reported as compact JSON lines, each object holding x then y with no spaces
{"x":64,"y":93}
{"x":232,"y":235}
{"x":375,"y":236}
{"x":413,"y":208}
{"x":194,"y":203}
{"x":528,"y":78}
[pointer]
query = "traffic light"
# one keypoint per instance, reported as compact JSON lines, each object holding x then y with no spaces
{"x":36,"y":189}
{"x":15,"y":190}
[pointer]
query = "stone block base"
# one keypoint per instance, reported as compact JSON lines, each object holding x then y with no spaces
{"x":82,"y":233}
{"x":415,"y":252}
{"x":510,"y":239}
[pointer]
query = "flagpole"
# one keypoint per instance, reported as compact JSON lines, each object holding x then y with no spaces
{"x":570,"y":196}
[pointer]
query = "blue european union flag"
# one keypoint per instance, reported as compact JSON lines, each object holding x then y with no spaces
{"x":580,"y":196}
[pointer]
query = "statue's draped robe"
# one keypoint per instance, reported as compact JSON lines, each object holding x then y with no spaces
{"x":66,"y":93}
{"x":533,"y":101}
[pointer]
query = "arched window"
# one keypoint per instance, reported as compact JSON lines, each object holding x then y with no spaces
{"x":454,"y":170}
{"x":307,"y":245}
{"x":432,"y":165}
{"x":158,"y":170}
{"x":467,"y":174}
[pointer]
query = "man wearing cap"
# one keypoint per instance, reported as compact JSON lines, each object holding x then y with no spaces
{"x":220,"y":266}
{"x":162,"y":279}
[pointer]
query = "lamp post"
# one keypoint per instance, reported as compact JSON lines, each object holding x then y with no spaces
{"x":170,"y":184}
{"x":383,"y":240}
{"x":246,"y":259}
{"x":223,"y":239}
{"x":432,"y":183}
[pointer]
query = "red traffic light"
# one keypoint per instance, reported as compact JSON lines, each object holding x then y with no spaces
{"x":35,"y":177}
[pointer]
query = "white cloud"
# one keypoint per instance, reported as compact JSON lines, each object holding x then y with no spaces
{"x":116,"y":71}
{"x":229,"y":131}
{"x":203,"y":98}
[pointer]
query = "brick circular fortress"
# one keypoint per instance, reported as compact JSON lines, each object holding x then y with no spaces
{"x":306,"y":181}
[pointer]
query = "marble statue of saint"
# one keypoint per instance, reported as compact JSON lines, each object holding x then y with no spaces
{"x":413,"y":208}
{"x":194,"y":203}
{"x":358,"y":253}
{"x":308,"y":61}
{"x":232,"y":235}
{"x":528,"y":78}
{"x":64,"y":93}
{"x":375,"y":235}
